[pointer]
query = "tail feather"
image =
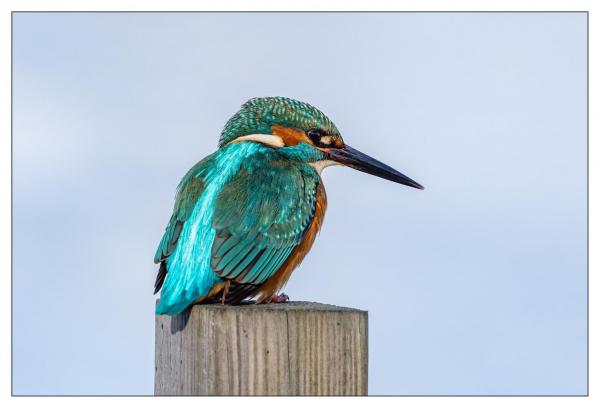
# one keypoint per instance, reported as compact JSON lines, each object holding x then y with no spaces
{"x":239,"y":292}
{"x":160,"y":277}
{"x":236,"y":293}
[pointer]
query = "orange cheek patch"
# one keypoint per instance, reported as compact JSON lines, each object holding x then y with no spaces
{"x":290,"y":137}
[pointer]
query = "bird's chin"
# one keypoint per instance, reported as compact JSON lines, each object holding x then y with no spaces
{"x":321,"y":164}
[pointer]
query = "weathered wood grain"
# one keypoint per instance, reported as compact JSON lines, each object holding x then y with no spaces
{"x":296,"y":348}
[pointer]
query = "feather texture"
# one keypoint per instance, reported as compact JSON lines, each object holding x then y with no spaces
{"x":238,"y":216}
{"x":261,"y":215}
{"x":276,"y":282}
{"x":187,"y":254}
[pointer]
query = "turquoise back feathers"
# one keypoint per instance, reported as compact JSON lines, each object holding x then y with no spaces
{"x":238,"y":214}
{"x":186,"y":245}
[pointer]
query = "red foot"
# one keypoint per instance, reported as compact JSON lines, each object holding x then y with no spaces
{"x":282,"y":298}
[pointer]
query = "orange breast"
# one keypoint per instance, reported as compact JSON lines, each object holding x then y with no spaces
{"x":279,"y":279}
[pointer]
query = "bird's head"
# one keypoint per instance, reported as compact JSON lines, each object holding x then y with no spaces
{"x":301,"y":131}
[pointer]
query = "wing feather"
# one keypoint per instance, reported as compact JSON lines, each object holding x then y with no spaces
{"x":188,"y":192}
{"x":260,"y":217}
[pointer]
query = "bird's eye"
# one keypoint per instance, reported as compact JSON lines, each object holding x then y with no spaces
{"x":314,"y":135}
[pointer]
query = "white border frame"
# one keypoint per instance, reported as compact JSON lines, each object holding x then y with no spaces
{"x":7,"y":6}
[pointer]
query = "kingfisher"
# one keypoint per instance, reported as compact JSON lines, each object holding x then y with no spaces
{"x":246,"y":216}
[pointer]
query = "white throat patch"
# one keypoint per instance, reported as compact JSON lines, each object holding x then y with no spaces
{"x":321,"y":164}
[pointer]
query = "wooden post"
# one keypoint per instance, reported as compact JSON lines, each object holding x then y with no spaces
{"x":294,"y":348}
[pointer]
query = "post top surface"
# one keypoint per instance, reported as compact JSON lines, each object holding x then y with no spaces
{"x":287,"y":306}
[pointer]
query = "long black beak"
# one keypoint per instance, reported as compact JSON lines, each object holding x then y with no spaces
{"x":357,"y":160}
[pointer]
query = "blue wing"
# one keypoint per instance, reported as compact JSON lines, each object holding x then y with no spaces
{"x":234,"y":219}
{"x":188,"y":192}
{"x":260,"y":217}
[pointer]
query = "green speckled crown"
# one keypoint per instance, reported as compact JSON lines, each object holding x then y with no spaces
{"x":259,"y":114}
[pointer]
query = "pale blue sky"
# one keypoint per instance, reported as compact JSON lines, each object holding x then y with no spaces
{"x":476,"y":285}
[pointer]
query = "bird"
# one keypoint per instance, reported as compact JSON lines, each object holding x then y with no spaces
{"x":246,"y":215}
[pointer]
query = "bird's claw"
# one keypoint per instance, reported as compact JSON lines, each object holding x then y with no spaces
{"x":281,"y":298}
